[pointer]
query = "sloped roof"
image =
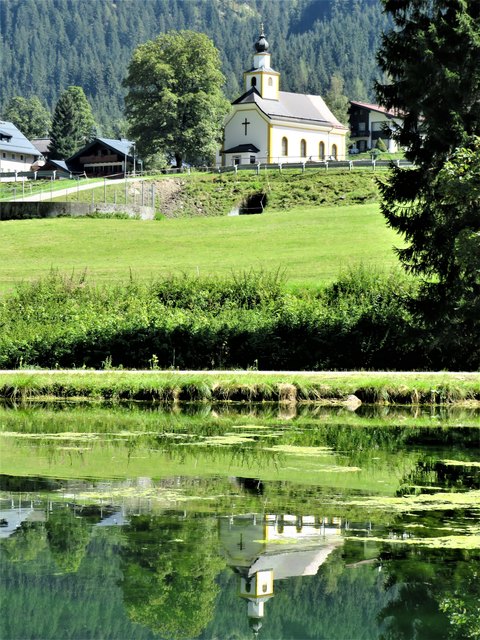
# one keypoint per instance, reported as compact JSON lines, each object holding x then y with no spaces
{"x":16,"y":142}
{"x":242,"y":148}
{"x":122,"y":147}
{"x":377,"y":108}
{"x":292,"y":107}
{"x":41,"y":144}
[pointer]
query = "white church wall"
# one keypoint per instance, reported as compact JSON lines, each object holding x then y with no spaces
{"x":295,"y":135}
{"x":257,"y":134}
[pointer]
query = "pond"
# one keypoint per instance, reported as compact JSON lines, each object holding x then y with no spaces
{"x":221,"y":522}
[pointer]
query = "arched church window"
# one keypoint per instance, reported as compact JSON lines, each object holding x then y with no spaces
{"x":303,"y":148}
{"x":270,"y":82}
{"x":284,"y":147}
{"x":254,"y":82}
{"x":321,"y":151}
{"x":334,"y":151}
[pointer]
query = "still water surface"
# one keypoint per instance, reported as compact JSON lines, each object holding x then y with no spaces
{"x":278,"y":523}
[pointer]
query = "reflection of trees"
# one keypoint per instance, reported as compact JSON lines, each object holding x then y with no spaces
{"x":435,"y":594}
{"x":26,"y":543}
{"x":67,"y":537}
{"x":169,"y":570}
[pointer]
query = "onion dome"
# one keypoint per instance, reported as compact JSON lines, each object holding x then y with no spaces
{"x":261,"y":45}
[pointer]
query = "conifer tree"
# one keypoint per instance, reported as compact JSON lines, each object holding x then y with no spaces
{"x":433,"y":59}
{"x":73,"y":124}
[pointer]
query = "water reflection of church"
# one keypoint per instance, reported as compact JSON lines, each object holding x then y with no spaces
{"x":262,"y":549}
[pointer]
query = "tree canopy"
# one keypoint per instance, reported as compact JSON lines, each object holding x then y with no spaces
{"x":432,"y":59}
{"x":29,"y":115}
{"x":175,"y":102}
{"x":73,"y":124}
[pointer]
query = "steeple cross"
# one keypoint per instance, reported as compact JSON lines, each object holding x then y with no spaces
{"x":245,"y":124}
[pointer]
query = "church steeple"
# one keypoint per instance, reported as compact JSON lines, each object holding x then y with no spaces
{"x":265,"y":80}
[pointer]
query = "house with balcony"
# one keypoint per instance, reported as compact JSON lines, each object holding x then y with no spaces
{"x":16,"y":152}
{"x":369,"y":122}
{"x":104,"y":157}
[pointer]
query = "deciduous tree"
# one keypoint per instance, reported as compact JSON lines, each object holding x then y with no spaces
{"x":175,"y":103}
{"x":29,"y":115}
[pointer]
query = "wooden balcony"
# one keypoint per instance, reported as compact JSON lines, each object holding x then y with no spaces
{"x":100,"y":159}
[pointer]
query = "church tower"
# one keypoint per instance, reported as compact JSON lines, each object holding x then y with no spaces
{"x":265,"y":80}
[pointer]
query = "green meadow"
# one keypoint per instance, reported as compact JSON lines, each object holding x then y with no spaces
{"x":312,"y":245}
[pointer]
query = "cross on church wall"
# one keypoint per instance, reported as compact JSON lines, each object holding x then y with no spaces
{"x":245,"y":124}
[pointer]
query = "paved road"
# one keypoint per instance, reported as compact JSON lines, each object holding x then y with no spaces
{"x":58,"y":193}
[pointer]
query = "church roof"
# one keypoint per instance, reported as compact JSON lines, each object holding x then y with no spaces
{"x":292,"y":107}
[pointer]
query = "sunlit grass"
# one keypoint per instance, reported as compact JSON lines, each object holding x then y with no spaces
{"x":312,"y":244}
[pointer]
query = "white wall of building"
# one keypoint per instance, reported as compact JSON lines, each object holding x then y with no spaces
{"x":313,"y":137}
{"x":14,"y":161}
{"x":257,"y":134}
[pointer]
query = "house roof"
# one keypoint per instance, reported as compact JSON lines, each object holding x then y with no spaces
{"x":41,"y":144}
{"x":242,"y":148}
{"x":376,"y":107}
{"x":12,"y":139}
{"x":122,"y":147}
{"x":292,"y":107}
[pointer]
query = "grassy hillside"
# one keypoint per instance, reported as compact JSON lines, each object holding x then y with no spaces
{"x":312,"y":244}
{"x":210,"y":194}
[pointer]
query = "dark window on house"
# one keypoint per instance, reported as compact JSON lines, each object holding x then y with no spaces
{"x":254,"y":82}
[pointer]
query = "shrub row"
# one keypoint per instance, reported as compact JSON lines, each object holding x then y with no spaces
{"x":249,"y":321}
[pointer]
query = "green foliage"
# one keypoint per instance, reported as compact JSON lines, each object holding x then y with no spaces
{"x":380,"y":145}
{"x":337,"y":100}
{"x":28,"y":115}
{"x":432,"y":57}
{"x":67,"y":537}
{"x":73,"y":124}
{"x":169,"y":569}
{"x":174,"y":102}
{"x":363,"y":321}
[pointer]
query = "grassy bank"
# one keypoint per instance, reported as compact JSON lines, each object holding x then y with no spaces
{"x":250,"y":386}
{"x":210,"y":194}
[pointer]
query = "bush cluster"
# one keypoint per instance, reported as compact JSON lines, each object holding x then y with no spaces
{"x":251,"y":320}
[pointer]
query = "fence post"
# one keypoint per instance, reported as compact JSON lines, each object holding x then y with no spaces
{"x":350,"y":163}
{"x":303,"y":167}
{"x":258,"y":168}
{"x":374,"y":162}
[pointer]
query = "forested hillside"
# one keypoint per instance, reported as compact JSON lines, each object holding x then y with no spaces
{"x":47,"y":45}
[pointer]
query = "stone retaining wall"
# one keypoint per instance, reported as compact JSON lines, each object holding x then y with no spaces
{"x":27,"y":210}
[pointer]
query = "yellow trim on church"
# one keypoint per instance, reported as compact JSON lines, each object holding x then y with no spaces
{"x":269,"y":144}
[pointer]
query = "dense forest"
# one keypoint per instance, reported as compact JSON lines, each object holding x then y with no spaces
{"x":48,"y":45}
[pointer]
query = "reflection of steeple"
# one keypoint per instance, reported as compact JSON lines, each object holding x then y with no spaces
{"x":262,"y":549}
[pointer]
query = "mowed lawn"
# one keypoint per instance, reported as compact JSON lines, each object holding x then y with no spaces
{"x":312,"y":245}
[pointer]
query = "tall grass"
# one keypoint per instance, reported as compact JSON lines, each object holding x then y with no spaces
{"x":250,"y":320}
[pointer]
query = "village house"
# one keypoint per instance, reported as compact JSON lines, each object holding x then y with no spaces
{"x":103,"y":157}
{"x":267,"y":125}
{"x":368,"y":123}
{"x":16,"y":152}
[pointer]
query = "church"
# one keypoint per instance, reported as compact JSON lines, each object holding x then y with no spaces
{"x":267,"y":125}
